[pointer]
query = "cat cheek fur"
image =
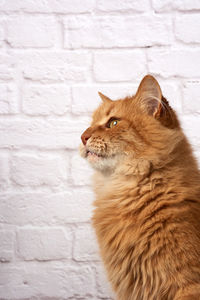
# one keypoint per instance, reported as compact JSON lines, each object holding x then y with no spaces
{"x":106,"y":158}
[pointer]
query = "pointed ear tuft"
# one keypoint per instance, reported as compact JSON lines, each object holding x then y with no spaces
{"x":149,"y":92}
{"x":104,"y":98}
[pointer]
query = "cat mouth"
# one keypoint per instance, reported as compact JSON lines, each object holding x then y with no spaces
{"x":101,"y":162}
{"x":93,"y":156}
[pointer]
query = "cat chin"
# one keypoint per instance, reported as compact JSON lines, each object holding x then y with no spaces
{"x":103,"y":164}
{"x":82,"y":150}
{"x":99,"y":163}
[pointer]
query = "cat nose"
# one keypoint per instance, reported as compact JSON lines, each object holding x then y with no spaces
{"x":85,"y":136}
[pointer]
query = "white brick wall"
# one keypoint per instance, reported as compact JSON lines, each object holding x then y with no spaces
{"x":55,"y":55}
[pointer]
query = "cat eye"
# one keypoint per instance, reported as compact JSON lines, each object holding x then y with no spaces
{"x":112,"y":123}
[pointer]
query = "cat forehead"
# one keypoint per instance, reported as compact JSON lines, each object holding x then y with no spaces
{"x":118,"y":108}
{"x":104,"y":113}
{"x":102,"y":120}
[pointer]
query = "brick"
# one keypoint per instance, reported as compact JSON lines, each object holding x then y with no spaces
{"x":53,"y":6}
{"x":47,"y":94}
{"x":174,"y":63}
{"x":191,"y":92}
{"x":187,"y":28}
{"x":2,"y":33}
{"x":107,"y":32}
{"x":197,"y":156}
{"x":5,"y":172}
{"x":81,"y":172}
{"x":10,"y":5}
{"x":103,"y":287}
{"x":126,"y":5}
{"x":42,"y":134}
{"x":171,"y":91}
{"x":119,"y":66}
{"x":187,"y":4}
{"x":8,"y":99}
{"x":191,"y":125}
{"x":80,"y":282}
{"x":32,"y":170}
{"x":77,"y":6}
{"x":40,"y":280}
{"x":56,"y":66}
{"x":6,"y":73}
{"x":45,"y":100}
{"x":86,"y":99}
{"x":85,"y":245}
{"x":46,"y":208}
{"x":182,"y":5}
{"x":19,"y":281}
{"x":163,"y":5}
{"x":44,"y":243}
{"x":7,"y":245}
{"x":30,"y":31}
{"x":6,"y":67}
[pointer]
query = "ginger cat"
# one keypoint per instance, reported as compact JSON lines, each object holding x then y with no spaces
{"x":147,"y":185}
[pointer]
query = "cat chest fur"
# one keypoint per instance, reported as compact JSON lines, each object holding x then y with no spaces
{"x":137,"y":220}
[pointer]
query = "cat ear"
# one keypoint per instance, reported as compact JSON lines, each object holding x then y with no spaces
{"x":104,"y":98}
{"x":150,"y":95}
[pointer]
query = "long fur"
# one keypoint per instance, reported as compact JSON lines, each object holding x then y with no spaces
{"x":147,"y":185}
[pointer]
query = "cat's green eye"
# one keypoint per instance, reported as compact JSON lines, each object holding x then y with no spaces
{"x":112,"y":123}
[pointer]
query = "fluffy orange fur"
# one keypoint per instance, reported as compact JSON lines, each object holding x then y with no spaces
{"x":147,"y":185}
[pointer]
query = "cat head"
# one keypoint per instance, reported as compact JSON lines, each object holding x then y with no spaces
{"x":143,"y":126}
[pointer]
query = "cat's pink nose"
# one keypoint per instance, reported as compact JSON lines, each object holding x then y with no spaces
{"x":85,"y":136}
